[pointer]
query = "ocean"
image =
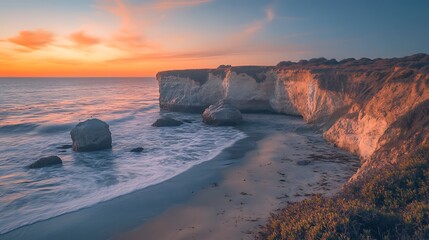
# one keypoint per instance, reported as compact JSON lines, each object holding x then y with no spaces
{"x":36,"y":116}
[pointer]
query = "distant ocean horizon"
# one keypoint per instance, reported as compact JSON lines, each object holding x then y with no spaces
{"x":36,"y":116}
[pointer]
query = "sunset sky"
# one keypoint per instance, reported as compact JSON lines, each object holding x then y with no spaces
{"x":142,"y":37}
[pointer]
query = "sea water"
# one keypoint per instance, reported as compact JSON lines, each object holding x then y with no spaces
{"x":36,"y":116}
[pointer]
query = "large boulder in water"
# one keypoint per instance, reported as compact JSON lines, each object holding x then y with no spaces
{"x":222,"y":114}
{"x":91,"y":135}
{"x":167,"y":122}
{"x":46,"y":162}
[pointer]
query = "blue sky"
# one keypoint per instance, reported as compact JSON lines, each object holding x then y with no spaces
{"x":155,"y":35}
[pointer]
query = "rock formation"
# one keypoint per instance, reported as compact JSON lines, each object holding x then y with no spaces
{"x":166,"y":122}
{"x":377,"y":109}
{"x":91,"y":135}
{"x":222,"y":114}
{"x":137,"y":150}
{"x":46,"y":162}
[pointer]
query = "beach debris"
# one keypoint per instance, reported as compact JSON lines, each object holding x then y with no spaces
{"x":222,"y":114}
{"x":167,"y":122}
{"x":91,"y":135}
{"x":46,"y":162}
{"x":137,"y":150}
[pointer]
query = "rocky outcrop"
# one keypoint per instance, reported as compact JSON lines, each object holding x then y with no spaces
{"x":91,"y":135}
{"x":376,"y":109}
{"x":166,"y":122}
{"x":222,"y":114}
{"x":248,"y":88}
{"x":137,"y":150}
{"x":46,"y":162}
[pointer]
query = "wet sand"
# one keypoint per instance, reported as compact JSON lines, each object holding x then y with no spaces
{"x":229,"y":197}
{"x":288,"y":163}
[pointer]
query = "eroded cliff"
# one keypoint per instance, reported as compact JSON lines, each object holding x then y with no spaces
{"x":377,"y":109}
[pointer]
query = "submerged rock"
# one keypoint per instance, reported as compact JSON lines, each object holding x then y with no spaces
{"x":66,"y":146}
{"x":167,"y":122}
{"x":222,"y":114}
{"x":137,"y":150}
{"x":91,"y":135}
{"x":46,"y":162}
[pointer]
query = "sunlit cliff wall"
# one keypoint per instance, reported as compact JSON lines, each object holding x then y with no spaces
{"x":377,"y":109}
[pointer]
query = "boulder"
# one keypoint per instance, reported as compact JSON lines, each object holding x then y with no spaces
{"x":46,"y":162}
{"x":222,"y":114}
{"x":137,"y":150}
{"x":167,"y":122}
{"x":91,"y":135}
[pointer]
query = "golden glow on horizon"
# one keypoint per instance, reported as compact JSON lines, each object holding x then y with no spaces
{"x":132,"y":40}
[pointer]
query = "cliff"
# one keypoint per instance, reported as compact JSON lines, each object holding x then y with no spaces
{"x":377,"y":109}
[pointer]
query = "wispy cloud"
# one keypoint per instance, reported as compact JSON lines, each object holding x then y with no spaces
{"x":236,"y":44}
{"x":81,"y":38}
{"x":269,"y":14}
{"x":256,"y":26}
{"x":129,"y":36}
{"x":135,"y":19}
{"x":33,"y":39}
{"x":220,"y":51}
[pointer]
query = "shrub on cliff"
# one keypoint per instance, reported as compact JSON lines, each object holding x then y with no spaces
{"x":392,"y":203}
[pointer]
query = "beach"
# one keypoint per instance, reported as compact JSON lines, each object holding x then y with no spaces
{"x":232,"y":195}
{"x":284,"y":166}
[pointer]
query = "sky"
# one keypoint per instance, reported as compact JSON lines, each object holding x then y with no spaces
{"x":114,"y":38}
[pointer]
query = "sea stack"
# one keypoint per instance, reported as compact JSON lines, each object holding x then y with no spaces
{"x":222,"y":114}
{"x":91,"y":135}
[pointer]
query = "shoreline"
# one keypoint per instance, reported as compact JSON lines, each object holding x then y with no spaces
{"x":131,"y":207}
{"x":128,"y":215}
{"x":268,"y":177}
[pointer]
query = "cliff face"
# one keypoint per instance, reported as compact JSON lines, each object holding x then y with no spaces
{"x":377,"y":109}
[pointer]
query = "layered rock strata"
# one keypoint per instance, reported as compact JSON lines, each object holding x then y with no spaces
{"x":377,"y":109}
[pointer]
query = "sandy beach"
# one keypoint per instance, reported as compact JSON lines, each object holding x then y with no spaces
{"x":281,"y":160}
{"x":285,"y":166}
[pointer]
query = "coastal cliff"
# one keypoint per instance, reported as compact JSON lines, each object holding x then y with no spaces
{"x":377,"y":109}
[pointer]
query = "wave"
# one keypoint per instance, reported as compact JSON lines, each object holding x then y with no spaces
{"x":55,"y":128}
{"x":18,"y":128}
{"x":121,"y":119}
{"x":111,"y":192}
{"x":147,"y":108}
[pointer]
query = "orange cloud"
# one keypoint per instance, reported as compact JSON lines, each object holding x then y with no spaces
{"x":82,"y":39}
{"x":128,"y":36}
{"x":33,"y":39}
{"x":134,"y":21}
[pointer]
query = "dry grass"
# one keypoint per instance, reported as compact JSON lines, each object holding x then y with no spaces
{"x":392,"y":203}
